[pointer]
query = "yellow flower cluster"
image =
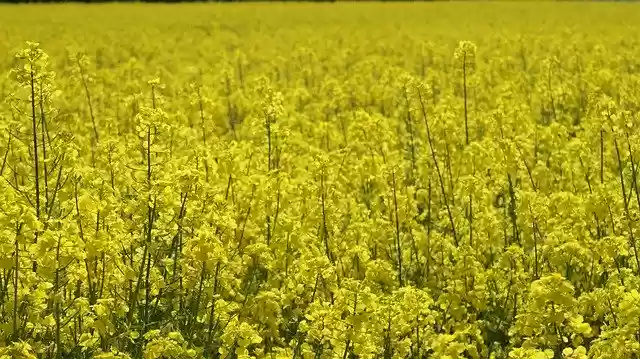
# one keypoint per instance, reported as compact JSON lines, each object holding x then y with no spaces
{"x":325,"y":181}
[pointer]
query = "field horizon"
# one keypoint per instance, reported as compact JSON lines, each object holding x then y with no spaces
{"x":393,"y":180}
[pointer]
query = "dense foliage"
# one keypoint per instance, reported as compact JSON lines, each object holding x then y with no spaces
{"x":311,"y":181}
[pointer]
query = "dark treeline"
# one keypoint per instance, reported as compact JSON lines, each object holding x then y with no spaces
{"x":162,"y":1}
{"x":154,"y":1}
{"x":227,"y":1}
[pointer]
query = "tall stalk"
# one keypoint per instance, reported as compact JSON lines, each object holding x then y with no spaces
{"x":16,"y":283}
{"x":435,"y":162}
{"x":632,"y":240}
{"x":36,"y":158}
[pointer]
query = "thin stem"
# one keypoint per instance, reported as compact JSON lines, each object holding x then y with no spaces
{"x":36,"y":159}
{"x":398,"y":247}
{"x":435,"y":162}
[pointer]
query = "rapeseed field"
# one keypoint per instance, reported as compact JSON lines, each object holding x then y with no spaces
{"x":347,"y":180}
